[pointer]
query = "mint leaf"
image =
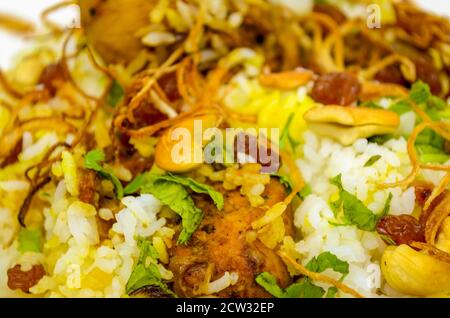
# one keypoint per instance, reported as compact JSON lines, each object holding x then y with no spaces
{"x":355,"y":212}
{"x":303,"y":289}
{"x":93,"y":160}
{"x":371,"y":161}
{"x":144,"y":274}
{"x":420,"y":92}
{"x":401,"y":107}
{"x":302,"y":194}
{"x":284,"y":138}
{"x":370,"y":104}
{"x":269,"y":283}
{"x":331,"y":292}
{"x":115,"y":95}
{"x":176,"y":197}
{"x":29,"y":241}
{"x":134,"y":185}
{"x":327,"y":260}
{"x":305,"y":191}
{"x":387,"y":206}
{"x":197,"y":187}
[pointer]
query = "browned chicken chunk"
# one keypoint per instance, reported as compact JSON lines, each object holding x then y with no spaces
{"x":221,"y":245}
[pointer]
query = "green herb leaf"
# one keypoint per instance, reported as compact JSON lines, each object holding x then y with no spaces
{"x":303,"y":289}
{"x":434,"y":158}
{"x":269,"y":283}
{"x":400,"y":107}
{"x":115,"y":95}
{"x":372,"y":160}
{"x":437,"y":103}
{"x":327,"y":260}
{"x":331,"y":293}
{"x":302,"y":194}
{"x":134,"y":185}
{"x":197,"y":187}
{"x":146,"y":273}
{"x":387,"y":206}
{"x":370,"y":104}
{"x":420,"y":92}
{"x":284,"y":138}
{"x":29,"y":240}
{"x":388,"y":240}
{"x":305,"y":191}
{"x":176,"y":197}
{"x":380,"y":139}
{"x":284,"y":181}
{"x":93,"y":160}
{"x":355,"y":212}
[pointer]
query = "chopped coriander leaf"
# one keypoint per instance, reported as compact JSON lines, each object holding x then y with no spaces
{"x":439,"y":158}
{"x":302,"y":194}
{"x":134,"y":185}
{"x":420,"y":92}
{"x":380,"y":139}
{"x":116,"y":93}
{"x":355,"y":212}
{"x":93,"y":160}
{"x":331,"y":292}
{"x":285,"y":133}
{"x":401,"y":107}
{"x":176,"y":197}
{"x":387,"y":206}
{"x":327,"y":260}
{"x":269,"y":283}
{"x":146,"y":272}
{"x":388,"y":240}
{"x":302,"y":289}
{"x":29,"y":240}
{"x":305,"y":191}
{"x":372,"y":160}
{"x":370,"y":104}
{"x":197,"y":187}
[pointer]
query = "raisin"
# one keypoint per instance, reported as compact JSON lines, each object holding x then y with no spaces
{"x":13,"y":155}
{"x":403,"y":229}
{"x":336,"y":89}
{"x":18,"y":279}
{"x":428,"y":74}
{"x":52,"y":76}
{"x":391,"y":74}
{"x":168,"y":84}
{"x":88,"y":186}
{"x":422,"y":191}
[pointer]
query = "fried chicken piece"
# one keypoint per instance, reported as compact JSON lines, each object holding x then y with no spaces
{"x":221,"y":245}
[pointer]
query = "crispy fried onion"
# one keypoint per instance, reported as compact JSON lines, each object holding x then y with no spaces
{"x":317,"y":276}
{"x":15,"y":24}
{"x":45,"y":15}
{"x":441,"y":128}
{"x":436,"y":218}
{"x":406,"y":66}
